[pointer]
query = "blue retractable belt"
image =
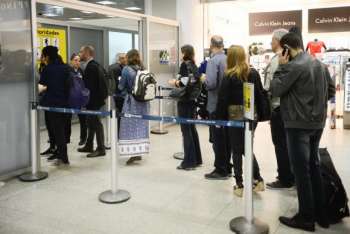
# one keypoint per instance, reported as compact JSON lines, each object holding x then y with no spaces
{"x":167,"y":119}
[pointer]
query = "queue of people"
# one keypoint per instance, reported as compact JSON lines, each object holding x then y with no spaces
{"x":298,"y":85}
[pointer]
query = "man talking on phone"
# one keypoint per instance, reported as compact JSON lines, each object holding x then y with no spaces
{"x":304,"y":86}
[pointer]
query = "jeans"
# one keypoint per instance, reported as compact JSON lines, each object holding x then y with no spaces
{"x":58,"y":124}
{"x":95,"y":127}
{"x":279,"y":139}
{"x":192,"y":150}
{"x":83,"y":127}
{"x":303,"y":148}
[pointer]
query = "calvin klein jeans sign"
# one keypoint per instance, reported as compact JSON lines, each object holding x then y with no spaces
{"x":263,"y":23}
{"x":329,"y":20}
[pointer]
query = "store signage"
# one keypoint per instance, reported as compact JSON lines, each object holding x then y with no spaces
{"x":263,"y":23}
{"x":329,"y":20}
{"x":54,"y":37}
{"x":248,"y":100}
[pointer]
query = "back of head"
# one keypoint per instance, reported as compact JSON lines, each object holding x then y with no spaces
{"x":292,"y":40}
{"x":134,"y":58}
{"x":297,"y":31}
{"x":217,"y":42}
{"x":89,"y":50}
{"x":51,"y":52}
{"x":188,"y":53}
{"x":237,"y":63}
{"x":279,"y":33}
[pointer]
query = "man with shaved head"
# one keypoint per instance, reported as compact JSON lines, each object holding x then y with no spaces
{"x":214,"y":74}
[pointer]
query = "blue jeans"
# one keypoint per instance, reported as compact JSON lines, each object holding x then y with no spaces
{"x":192,"y":150}
{"x":303,"y":148}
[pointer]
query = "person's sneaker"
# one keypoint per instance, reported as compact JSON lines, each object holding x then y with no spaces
{"x":48,"y":151}
{"x":133,"y":159}
{"x":82,"y":142}
{"x":180,"y":167}
{"x":238,"y":190}
{"x":97,"y":153}
{"x":259,"y":186}
{"x":298,"y":223}
{"x":53,"y":157}
{"x":216,"y":176}
{"x":278,"y":185}
{"x":86,"y":149}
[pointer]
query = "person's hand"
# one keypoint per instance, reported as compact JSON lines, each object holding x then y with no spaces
{"x":203,"y":78}
{"x":172,"y":82}
{"x":283,"y":59}
{"x":41,"y":88}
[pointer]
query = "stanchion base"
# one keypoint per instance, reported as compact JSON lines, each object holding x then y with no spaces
{"x":112,"y":198}
{"x":179,"y":156}
{"x":159,"y":131}
{"x":29,"y":177}
{"x":241,"y":225}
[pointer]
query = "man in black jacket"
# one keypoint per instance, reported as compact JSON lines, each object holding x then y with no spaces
{"x":91,"y":77}
{"x":305,"y":86}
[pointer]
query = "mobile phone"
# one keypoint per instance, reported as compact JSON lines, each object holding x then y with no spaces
{"x":285,"y":49}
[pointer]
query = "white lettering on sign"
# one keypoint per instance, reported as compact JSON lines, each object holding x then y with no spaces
{"x":335,"y":19}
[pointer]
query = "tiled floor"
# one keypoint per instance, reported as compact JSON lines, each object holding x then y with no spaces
{"x":164,"y":200}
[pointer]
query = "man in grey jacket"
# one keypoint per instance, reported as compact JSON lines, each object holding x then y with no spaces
{"x":285,"y":178}
{"x":304,"y":86}
{"x":214,"y":74}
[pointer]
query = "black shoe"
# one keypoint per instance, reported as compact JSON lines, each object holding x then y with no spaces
{"x":298,"y":223}
{"x":82,"y":142}
{"x":48,"y":151}
{"x":97,"y":153}
{"x":322,"y":221}
{"x":278,"y":185}
{"x":185,"y":168}
{"x":59,"y":162}
{"x":216,"y":176}
{"x":86,"y":149}
{"x":53,"y":157}
{"x":133,"y":159}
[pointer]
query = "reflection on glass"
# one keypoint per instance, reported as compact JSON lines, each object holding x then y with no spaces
{"x":119,"y":42}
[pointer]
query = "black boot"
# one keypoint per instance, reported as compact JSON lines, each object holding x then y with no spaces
{"x":97,"y":153}
{"x":298,"y":222}
{"x":86,"y":149}
{"x":50,"y":150}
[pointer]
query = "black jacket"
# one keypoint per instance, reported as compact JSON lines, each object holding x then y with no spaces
{"x":193,"y":84}
{"x":91,"y":77}
{"x":114,"y":75}
{"x":305,"y":86}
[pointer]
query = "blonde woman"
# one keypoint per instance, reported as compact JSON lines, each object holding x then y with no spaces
{"x":230,"y":107}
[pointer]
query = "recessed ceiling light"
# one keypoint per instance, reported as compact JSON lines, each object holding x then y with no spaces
{"x":87,"y":12}
{"x":133,"y":8}
{"x":106,"y":2}
{"x":50,"y":15}
{"x":75,"y":18}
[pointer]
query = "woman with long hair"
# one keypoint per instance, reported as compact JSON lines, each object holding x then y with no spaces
{"x":230,"y":107}
{"x":55,"y":77}
{"x":134,"y":133}
{"x":187,"y":109}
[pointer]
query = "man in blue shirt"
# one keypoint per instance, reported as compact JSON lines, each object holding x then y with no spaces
{"x":214,"y":74}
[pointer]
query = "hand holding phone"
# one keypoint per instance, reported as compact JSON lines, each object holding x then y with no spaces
{"x":285,"y":55}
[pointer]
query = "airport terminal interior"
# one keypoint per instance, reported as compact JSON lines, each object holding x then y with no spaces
{"x":154,"y":195}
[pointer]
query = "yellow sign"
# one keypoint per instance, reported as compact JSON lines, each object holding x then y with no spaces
{"x":248,"y":94}
{"x":52,"y":37}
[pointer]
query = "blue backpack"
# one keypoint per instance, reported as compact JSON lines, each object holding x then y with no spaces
{"x":79,"y":95}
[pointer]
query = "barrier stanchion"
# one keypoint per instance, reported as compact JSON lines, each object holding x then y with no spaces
{"x":108,"y":138}
{"x":160,"y":130}
{"x":248,"y":224}
{"x":180,"y":155}
{"x":35,"y":174}
{"x":115,"y":195}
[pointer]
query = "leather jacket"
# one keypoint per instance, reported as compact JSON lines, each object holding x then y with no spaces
{"x":304,"y":86}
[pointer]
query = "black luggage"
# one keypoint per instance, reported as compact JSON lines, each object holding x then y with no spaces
{"x":336,"y":197}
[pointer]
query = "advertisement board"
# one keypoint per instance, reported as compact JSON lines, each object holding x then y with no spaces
{"x":335,"y":19}
{"x":53,"y":37}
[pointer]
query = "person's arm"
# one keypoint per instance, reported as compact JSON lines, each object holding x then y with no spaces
{"x":283,"y":79}
{"x":330,"y":84}
{"x":123,"y":80}
{"x":211,"y":80}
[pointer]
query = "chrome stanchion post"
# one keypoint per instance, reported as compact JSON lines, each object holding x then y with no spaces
{"x":35,"y":174}
{"x":248,"y":224}
{"x":108,"y":125}
{"x":180,"y":155}
{"x":160,"y":130}
{"x":115,"y":195}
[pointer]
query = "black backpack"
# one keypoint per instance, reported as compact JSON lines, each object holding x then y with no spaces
{"x":335,"y":194}
{"x":103,"y":82}
{"x":145,"y":87}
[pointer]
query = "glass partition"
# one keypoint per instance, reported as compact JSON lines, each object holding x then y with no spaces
{"x":119,"y":42}
{"x":163,"y":61}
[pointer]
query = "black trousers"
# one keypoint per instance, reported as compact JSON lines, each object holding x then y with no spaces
{"x":95,"y":127}
{"x":221,"y":148}
{"x":68,"y":126}
{"x":58,"y":124}
{"x":50,"y":131}
{"x":192,"y":150}
{"x":119,"y":103}
{"x":279,"y":139}
{"x":237,"y":141}
{"x":83,"y":127}
{"x":303,"y":148}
